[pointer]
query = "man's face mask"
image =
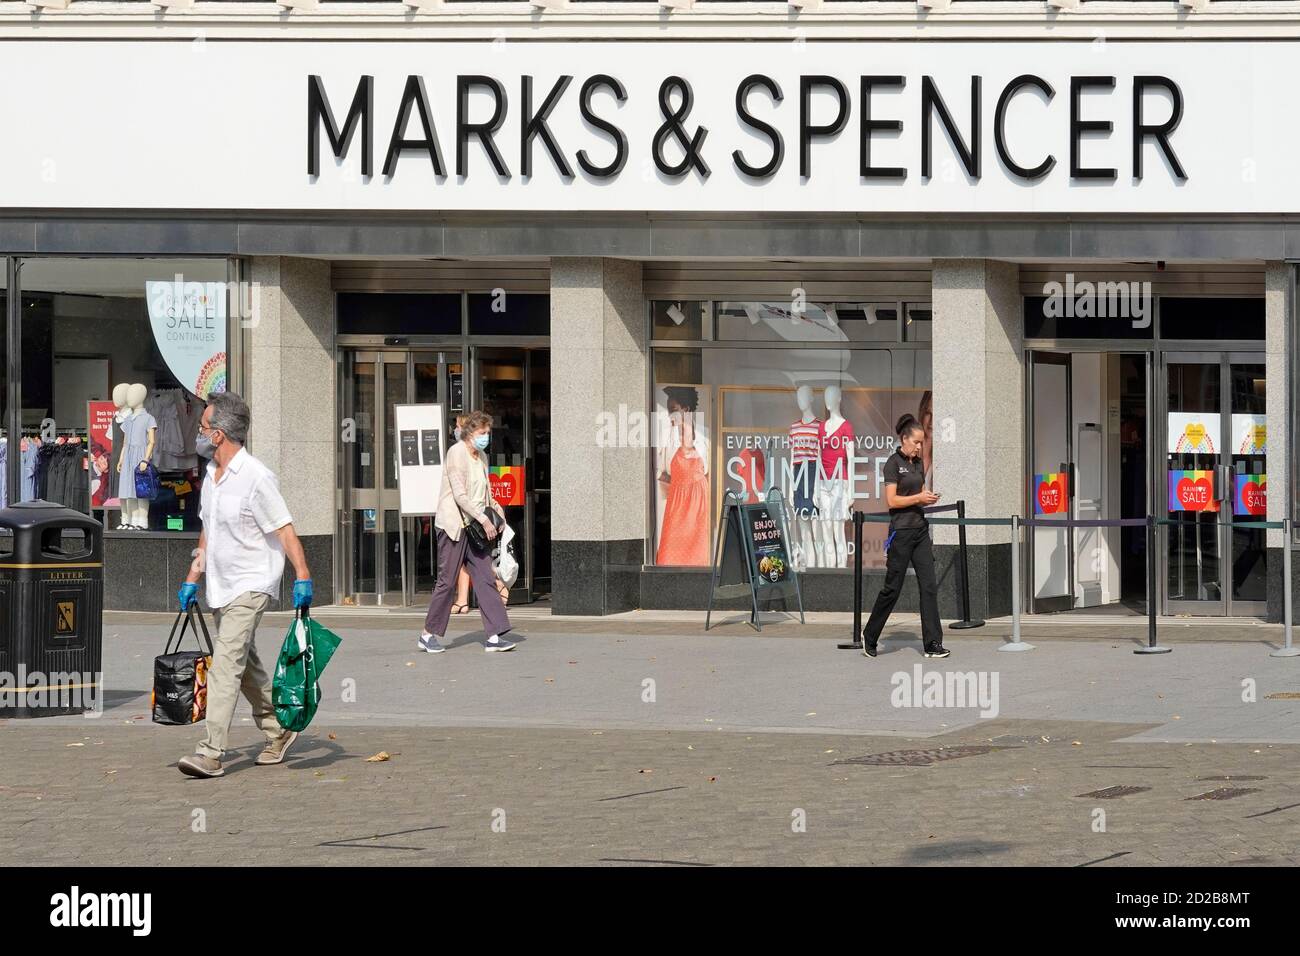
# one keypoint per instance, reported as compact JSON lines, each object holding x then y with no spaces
{"x":204,"y":445}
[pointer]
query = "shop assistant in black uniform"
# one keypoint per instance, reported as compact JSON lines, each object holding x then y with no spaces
{"x":908,"y":542}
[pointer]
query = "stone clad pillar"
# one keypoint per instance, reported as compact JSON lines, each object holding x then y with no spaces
{"x":979,"y":429}
{"x":599,"y":362}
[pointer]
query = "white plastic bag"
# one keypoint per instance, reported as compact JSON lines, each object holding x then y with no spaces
{"x":505,"y":566}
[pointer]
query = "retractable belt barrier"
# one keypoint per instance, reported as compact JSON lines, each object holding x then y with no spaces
{"x":1015,"y":522}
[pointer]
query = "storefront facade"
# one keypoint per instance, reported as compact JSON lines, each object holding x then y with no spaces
{"x":677,"y":256}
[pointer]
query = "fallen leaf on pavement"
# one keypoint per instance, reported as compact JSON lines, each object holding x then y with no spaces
{"x":78,"y":744}
{"x":379,"y":757}
{"x":1076,"y":743}
{"x":811,"y":713}
{"x":332,"y":736}
{"x":713,"y":780}
{"x":410,"y":663}
{"x":550,"y":680}
{"x":573,"y":662}
{"x":645,"y":771}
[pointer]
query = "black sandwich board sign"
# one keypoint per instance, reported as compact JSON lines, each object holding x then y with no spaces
{"x":752,"y":555}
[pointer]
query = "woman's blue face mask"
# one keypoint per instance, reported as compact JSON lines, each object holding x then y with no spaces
{"x":481,"y":441}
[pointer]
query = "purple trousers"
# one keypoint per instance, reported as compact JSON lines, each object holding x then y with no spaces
{"x":451,"y":555}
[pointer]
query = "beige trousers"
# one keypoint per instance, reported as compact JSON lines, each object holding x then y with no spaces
{"x":235,"y":667}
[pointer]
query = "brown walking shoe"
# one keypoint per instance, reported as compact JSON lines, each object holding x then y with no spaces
{"x":198,"y":765}
{"x":276,"y":749}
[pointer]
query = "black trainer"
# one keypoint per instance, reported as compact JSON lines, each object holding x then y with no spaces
{"x":868,"y":650}
{"x":937,"y":651}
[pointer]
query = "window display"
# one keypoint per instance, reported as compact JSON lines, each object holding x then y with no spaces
{"x":117,"y":357}
{"x":815,"y":421}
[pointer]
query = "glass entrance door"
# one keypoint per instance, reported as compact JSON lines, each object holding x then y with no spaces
{"x":1051,"y":485}
{"x":370,"y":558}
{"x":1215,"y":445}
{"x":513,"y":386}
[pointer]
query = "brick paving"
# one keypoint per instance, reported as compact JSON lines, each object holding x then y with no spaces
{"x":98,"y":793}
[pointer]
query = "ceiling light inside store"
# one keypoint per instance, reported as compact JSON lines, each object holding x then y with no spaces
{"x":50,"y":4}
{"x":751,"y":313}
{"x":808,"y":5}
{"x":934,"y":4}
{"x":172,"y":4}
{"x":428,"y":6}
{"x":676,"y":4}
{"x":676,"y":314}
{"x":548,"y":4}
{"x":870,"y":312}
{"x":1197,"y":6}
{"x":305,"y":5}
{"x":1063,"y":4}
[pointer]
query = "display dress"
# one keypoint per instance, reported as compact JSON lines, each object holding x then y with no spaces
{"x":135,"y":438}
{"x":684,"y":538}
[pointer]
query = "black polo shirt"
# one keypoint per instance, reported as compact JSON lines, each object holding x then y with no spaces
{"x":909,"y":475}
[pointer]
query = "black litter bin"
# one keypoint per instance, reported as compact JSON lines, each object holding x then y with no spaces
{"x":51,"y":611}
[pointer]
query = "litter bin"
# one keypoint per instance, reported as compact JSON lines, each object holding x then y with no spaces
{"x":51,"y":611}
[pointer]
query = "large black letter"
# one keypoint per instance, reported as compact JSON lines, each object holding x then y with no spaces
{"x":359,"y":113}
{"x":413,"y":95}
{"x":1078,"y":127}
{"x":1161,"y":131}
{"x":778,"y":146}
{"x":484,"y":131}
{"x":806,"y":132}
{"x":931,"y":102}
{"x":592,"y":84}
{"x":534,"y":125}
{"x":1000,"y":131}
{"x":869,"y":127}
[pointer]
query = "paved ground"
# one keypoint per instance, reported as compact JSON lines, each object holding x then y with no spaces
{"x":736,"y":759}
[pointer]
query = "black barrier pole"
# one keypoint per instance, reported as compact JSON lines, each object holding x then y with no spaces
{"x":963,"y":568}
{"x":856,"y":643}
{"x":1152,"y":647}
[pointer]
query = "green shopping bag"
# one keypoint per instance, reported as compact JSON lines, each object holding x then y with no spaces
{"x":307,"y":648}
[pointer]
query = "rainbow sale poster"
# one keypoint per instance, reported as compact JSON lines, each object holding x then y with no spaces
{"x":1192,"y":491}
{"x":1051,"y":493}
{"x":1250,"y":495}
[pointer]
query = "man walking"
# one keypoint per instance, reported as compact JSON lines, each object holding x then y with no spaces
{"x":247,"y":532}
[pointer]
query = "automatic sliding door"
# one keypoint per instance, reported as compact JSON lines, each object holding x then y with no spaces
{"x":1051,"y":550}
{"x":1247,"y":448}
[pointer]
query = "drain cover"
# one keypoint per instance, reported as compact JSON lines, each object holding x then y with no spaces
{"x":1225,"y":777}
{"x":1112,"y":793}
{"x":1224,"y":793}
{"x":918,"y":758}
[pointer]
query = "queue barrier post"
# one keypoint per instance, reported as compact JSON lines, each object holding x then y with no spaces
{"x":1015,"y":644}
{"x":1287,"y":649}
{"x":963,"y":568}
{"x":856,"y":642}
{"x":1152,"y":647}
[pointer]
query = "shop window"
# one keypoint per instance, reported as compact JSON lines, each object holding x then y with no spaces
{"x":1211,"y":318}
{"x":791,"y":321}
{"x":116,"y":353}
{"x":750,"y":420}
{"x":509,"y":313}
{"x":920,"y":324}
{"x":678,"y":321}
{"x":399,"y":313}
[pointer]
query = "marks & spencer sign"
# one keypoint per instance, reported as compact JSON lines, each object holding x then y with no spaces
{"x":903,"y":127}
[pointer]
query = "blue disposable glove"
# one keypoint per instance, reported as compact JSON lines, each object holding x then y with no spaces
{"x":302,"y":593}
{"x":188,"y":594}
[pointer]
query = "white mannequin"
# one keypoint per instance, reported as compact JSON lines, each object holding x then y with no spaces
{"x":135,"y":511}
{"x":832,"y":542}
{"x":119,"y":399}
{"x":803,"y":523}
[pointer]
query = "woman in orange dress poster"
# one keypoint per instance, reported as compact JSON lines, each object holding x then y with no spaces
{"x":684,"y":484}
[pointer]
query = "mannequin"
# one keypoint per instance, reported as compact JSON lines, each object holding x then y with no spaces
{"x":139,"y":431}
{"x":805,"y":441}
{"x":835,"y":482}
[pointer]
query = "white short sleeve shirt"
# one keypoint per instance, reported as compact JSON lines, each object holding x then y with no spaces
{"x":241,"y":514}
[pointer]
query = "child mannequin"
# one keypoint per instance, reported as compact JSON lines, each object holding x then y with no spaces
{"x":139,"y":431}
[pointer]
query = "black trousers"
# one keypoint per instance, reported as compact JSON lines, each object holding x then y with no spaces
{"x":910,"y":546}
